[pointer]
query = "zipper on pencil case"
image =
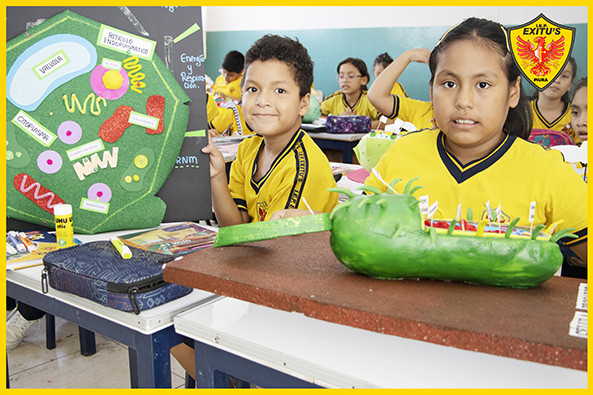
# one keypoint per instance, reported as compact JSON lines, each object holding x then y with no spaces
{"x":138,"y":287}
{"x":46,"y":271}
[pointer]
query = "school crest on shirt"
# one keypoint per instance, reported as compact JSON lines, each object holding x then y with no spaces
{"x":541,"y":48}
{"x":262,"y":211}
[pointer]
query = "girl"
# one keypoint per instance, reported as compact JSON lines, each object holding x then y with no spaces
{"x":381,"y":95}
{"x":579,"y":109}
{"x":551,"y":107}
{"x":479,"y":154}
{"x":351,"y":99}
{"x":381,"y":62}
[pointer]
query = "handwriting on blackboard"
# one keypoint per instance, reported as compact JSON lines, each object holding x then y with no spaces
{"x":191,"y":80}
{"x":198,"y":60}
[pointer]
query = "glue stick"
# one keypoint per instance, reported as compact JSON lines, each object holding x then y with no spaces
{"x":64,"y":229}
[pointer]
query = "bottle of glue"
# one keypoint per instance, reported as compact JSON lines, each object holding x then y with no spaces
{"x":64,"y":228}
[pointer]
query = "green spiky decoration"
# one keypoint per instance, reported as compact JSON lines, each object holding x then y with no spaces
{"x":382,"y":235}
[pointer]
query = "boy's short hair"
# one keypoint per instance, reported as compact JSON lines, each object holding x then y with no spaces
{"x":287,"y":50}
{"x":233,"y":62}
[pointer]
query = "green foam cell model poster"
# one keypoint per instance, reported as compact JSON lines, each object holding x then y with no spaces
{"x":94,"y":118}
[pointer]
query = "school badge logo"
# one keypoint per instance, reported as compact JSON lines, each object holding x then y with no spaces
{"x":262,"y":211}
{"x":541,"y":48}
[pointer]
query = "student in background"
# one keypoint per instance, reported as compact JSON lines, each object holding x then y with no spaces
{"x":418,"y":112}
{"x":480,"y":154}
{"x":281,"y":166}
{"x":229,"y":122}
{"x":551,"y":107}
{"x":381,"y":62}
{"x":351,"y":99}
{"x":212,"y":109}
{"x":578,"y":108}
{"x":228,"y":84}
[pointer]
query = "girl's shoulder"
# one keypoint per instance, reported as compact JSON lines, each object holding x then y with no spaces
{"x":333,"y":95}
{"x":423,"y":134}
{"x":536,"y":152}
{"x":417,"y":139}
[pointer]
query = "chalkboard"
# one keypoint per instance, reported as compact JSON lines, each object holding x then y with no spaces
{"x":179,"y":43}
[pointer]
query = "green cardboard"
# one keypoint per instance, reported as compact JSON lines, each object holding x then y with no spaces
{"x":41,"y":81}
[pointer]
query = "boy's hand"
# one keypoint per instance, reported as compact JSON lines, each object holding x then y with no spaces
{"x":225,"y":96}
{"x":213,"y":133}
{"x":217,"y":163}
{"x":418,"y":55}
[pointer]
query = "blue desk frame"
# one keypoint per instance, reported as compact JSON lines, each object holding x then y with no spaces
{"x":214,"y":366}
{"x":150,"y":361}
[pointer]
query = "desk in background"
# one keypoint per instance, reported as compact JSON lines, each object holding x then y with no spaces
{"x":278,"y":349}
{"x":149,"y":335}
{"x":341,"y":142}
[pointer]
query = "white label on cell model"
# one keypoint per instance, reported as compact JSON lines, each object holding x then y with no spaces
{"x":126,"y":43}
{"x":582,"y":297}
{"x":51,"y":64}
{"x":578,"y":325}
{"x":111,"y":64}
{"x":94,"y":205}
{"x":85,"y":150}
{"x":34,"y":129}
{"x":143,"y":120}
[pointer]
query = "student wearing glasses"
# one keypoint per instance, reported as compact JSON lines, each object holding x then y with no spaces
{"x":351,"y":99}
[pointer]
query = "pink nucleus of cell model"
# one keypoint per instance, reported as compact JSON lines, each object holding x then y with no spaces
{"x":49,"y":162}
{"x":98,"y":84}
{"x":69,"y":132}
{"x":99,"y":192}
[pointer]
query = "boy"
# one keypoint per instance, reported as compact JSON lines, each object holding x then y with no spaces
{"x":280,"y":167}
{"x":228,"y":84}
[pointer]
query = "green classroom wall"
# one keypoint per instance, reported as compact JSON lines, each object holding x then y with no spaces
{"x":328,"y":47}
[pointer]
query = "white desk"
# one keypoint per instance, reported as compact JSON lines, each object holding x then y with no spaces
{"x":343,"y":142}
{"x":337,"y":136}
{"x":149,"y":335}
{"x":273,"y":348}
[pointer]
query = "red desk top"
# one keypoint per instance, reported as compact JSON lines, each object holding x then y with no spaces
{"x":301,"y":273}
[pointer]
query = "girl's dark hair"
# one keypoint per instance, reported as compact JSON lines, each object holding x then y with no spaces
{"x":519,"y":121}
{"x":360,"y":65}
{"x":581,"y":84}
{"x":384,"y":60}
{"x":287,"y":50}
{"x":233,"y":62}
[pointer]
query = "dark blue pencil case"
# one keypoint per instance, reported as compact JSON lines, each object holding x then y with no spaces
{"x":97,"y":271}
{"x":345,"y":124}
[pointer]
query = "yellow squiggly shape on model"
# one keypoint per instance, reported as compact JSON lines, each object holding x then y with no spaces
{"x":131,"y":64}
{"x":94,"y":107}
